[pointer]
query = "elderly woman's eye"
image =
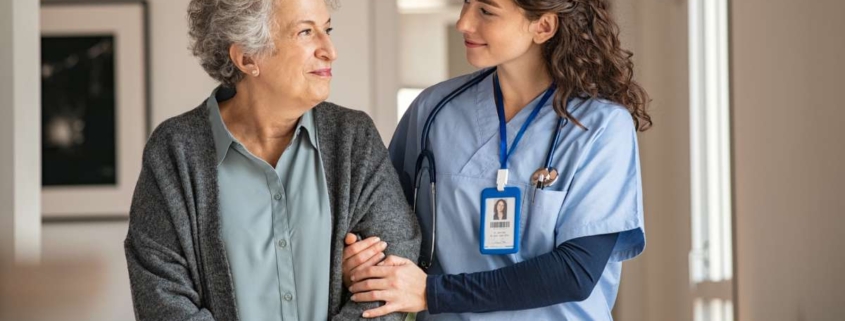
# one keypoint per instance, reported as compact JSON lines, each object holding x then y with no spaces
{"x":329,"y":31}
{"x":306,"y":32}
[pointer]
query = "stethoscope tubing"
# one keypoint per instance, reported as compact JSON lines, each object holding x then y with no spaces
{"x":427,"y":156}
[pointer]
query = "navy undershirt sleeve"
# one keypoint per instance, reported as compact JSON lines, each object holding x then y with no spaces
{"x":567,"y":274}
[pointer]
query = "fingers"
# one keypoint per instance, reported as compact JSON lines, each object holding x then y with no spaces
{"x":357,"y":247}
{"x":372,"y":272}
{"x":382,"y":310}
{"x":370,"y":285}
{"x":371,"y":262}
{"x":350,"y":238}
{"x":393,"y":260}
{"x":373,"y":296}
{"x":374,"y":251}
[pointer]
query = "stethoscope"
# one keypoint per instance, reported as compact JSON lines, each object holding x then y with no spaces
{"x":543,"y":177}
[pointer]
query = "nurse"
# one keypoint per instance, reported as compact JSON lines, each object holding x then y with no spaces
{"x":549,"y":127}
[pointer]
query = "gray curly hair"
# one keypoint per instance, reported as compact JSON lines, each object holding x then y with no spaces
{"x":215,"y":25}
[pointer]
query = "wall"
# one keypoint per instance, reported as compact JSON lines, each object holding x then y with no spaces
{"x":20,"y":169}
{"x":787,"y":69}
{"x":655,"y":286}
{"x":423,"y":50}
{"x":787,"y":146}
{"x":178,"y":82}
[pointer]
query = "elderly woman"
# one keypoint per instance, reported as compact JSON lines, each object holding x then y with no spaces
{"x":243,"y":202}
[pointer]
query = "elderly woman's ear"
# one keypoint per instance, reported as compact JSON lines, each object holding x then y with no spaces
{"x":242,"y":61}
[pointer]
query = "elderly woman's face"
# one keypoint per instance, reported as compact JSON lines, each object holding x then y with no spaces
{"x":301,"y":67}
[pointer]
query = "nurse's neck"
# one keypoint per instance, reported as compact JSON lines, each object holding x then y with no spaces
{"x":523,"y":80}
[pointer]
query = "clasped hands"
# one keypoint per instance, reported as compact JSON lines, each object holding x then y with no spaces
{"x":372,"y":277}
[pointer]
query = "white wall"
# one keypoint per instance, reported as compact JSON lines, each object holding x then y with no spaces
{"x":20,"y":132}
{"x":788,"y":150}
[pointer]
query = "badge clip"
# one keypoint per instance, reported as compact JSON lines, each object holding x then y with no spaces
{"x":501,"y":179}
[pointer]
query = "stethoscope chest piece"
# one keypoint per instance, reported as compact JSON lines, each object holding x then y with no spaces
{"x":544,"y":177}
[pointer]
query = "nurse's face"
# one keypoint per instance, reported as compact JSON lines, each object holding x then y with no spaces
{"x":500,"y":207}
{"x":300,"y":69}
{"x":495,"y":32}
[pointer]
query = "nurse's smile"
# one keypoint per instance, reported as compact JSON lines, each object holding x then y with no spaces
{"x":472,"y":44}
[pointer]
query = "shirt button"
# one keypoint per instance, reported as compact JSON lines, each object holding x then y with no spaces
{"x":288,"y":297}
{"x":277,"y":196}
{"x":283,"y":243}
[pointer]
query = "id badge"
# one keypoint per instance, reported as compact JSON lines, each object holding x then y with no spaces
{"x":500,"y":220}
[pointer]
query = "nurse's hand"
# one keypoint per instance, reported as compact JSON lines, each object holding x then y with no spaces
{"x":360,"y":254}
{"x":397,"y":281}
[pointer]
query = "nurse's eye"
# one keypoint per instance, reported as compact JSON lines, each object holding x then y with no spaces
{"x":306,"y":32}
{"x":485,"y":12}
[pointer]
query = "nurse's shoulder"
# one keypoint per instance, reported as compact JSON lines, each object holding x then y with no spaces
{"x":431,"y":96}
{"x":601,"y":116}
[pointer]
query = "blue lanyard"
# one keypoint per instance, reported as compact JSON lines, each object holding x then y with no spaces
{"x":504,"y":153}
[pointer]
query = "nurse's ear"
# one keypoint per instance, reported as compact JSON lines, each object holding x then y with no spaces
{"x":544,"y":28}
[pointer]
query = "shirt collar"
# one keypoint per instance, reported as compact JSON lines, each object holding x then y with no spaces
{"x":306,"y":122}
{"x":223,"y":138}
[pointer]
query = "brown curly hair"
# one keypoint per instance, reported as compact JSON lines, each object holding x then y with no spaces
{"x":585,"y":57}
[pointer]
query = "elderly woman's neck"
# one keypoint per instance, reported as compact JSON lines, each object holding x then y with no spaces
{"x":264,"y":124}
{"x":259,"y":116}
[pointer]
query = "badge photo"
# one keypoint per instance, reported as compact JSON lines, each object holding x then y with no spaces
{"x":499,"y":221}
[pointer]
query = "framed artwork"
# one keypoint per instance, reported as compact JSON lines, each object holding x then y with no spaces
{"x":94,"y":105}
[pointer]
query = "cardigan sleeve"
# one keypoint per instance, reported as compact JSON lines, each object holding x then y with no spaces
{"x":159,"y":273}
{"x":380,"y":207}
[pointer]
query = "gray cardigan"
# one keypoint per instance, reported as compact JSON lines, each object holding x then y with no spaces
{"x":178,"y":267}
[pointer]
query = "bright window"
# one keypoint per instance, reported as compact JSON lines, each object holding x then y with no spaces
{"x":711,"y":256}
{"x":404,"y":99}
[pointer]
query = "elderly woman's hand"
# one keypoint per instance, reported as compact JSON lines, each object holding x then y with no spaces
{"x":360,"y":254}
{"x":397,"y":281}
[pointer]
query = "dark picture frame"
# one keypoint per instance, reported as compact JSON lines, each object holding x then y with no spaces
{"x":95,"y":70}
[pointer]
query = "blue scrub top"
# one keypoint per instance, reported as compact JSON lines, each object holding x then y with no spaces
{"x":598,"y":191}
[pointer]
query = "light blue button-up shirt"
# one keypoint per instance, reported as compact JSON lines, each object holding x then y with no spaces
{"x":275,"y":223}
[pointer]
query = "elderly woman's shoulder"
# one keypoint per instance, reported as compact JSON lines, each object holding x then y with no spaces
{"x":186,"y":129}
{"x":338,"y":115}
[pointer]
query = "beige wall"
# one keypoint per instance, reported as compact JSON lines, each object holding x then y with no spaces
{"x":423,"y":48}
{"x":788,"y":151}
{"x":655,"y":286}
{"x":178,"y":81}
{"x":787,"y":147}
